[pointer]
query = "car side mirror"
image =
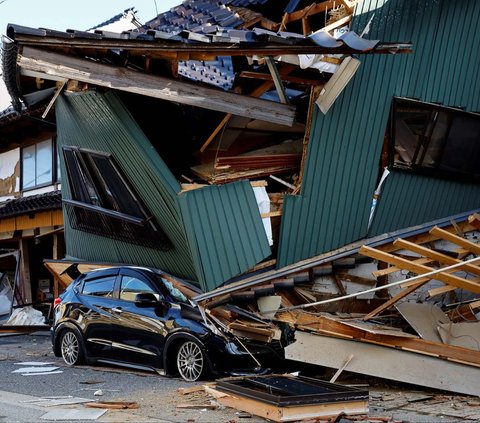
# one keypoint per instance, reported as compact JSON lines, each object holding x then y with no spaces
{"x":146,"y":299}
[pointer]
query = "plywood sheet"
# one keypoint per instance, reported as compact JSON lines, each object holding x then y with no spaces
{"x":464,"y":334}
{"x":423,"y":318}
{"x":384,"y":362}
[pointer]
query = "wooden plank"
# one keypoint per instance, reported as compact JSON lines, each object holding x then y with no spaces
{"x":257,"y":92}
{"x":394,"y":299}
{"x":323,"y":324}
{"x":337,"y":83}
{"x":337,"y":24}
{"x":154,"y":86}
{"x":441,"y":290}
{"x":434,"y":255}
{"x":389,"y":363}
{"x":474,"y":220}
{"x":276,"y":213}
{"x":272,"y":67}
{"x":455,"y":239}
{"x":344,"y":276}
{"x":393,"y":269}
{"x":420,"y":269}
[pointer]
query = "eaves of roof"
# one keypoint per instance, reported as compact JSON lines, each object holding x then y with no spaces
{"x":35,"y":203}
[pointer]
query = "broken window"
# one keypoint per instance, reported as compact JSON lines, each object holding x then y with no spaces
{"x":435,"y":139}
{"x":104,"y":203}
{"x":39,"y":167}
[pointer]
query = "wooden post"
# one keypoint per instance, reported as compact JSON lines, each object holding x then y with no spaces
{"x":25,"y":280}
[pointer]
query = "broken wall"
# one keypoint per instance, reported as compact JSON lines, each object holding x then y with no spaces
{"x":216,"y":232}
{"x":344,"y":150}
{"x":9,"y":174}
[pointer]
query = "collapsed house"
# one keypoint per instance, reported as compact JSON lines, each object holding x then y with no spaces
{"x":262,"y":147}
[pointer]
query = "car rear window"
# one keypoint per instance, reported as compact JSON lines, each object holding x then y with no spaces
{"x":101,"y":287}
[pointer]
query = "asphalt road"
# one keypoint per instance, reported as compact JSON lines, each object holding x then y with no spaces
{"x":156,"y":395}
{"x":158,"y":398}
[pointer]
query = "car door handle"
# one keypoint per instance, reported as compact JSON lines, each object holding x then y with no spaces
{"x":117,"y":310}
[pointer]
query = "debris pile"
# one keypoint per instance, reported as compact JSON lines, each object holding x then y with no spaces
{"x":384,"y":311}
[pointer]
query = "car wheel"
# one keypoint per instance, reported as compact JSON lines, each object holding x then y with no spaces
{"x":191,"y":361}
{"x":71,"y":348}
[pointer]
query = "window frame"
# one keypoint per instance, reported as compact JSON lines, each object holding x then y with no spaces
{"x":93,"y":183}
{"x":54,"y":162}
{"x":419,"y":168}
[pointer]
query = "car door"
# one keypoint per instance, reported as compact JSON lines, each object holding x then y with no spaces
{"x":141,"y":335}
{"x":98,"y":296}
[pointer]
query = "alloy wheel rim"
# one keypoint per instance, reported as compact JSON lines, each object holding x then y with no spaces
{"x":70,"y":348}
{"x":190,"y":361}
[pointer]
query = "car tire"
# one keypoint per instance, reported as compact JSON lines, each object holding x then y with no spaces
{"x":191,"y":361}
{"x":71,"y":347}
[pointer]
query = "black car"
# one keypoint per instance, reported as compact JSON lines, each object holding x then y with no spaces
{"x":136,"y":317}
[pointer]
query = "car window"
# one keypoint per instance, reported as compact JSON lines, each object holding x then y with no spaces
{"x":130,"y":286}
{"x":101,"y":287}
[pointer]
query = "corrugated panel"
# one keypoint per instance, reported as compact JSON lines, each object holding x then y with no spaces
{"x":100,"y":122}
{"x":342,"y":164}
{"x":407,"y":200}
{"x":225,"y":230}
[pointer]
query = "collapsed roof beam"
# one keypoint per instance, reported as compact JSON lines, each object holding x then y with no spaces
{"x":55,"y":65}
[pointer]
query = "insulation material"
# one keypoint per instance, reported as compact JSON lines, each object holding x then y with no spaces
{"x":263,"y":202}
{"x":26,"y":316}
{"x":6,"y":296}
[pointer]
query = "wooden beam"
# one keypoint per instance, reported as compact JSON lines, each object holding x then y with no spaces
{"x":123,"y":79}
{"x":282,"y":94}
{"x":257,"y":92}
{"x":426,"y":237}
{"x":455,"y":239}
{"x":419,"y":269}
{"x":25,"y":276}
{"x":393,"y":269}
{"x":434,"y":255}
{"x":394,"y":299}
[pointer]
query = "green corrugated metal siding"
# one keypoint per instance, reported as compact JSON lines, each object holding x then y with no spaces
{"x":100,"y":122}
{"x":217,"y":232}
{"x":225,"y":230}
{"x":342,"y":164}
{"x":407,"y":199}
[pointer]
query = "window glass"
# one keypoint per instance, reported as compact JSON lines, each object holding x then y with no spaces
{"x":131,"y":286}
{"x":102,"y":287}
{"x":436,"y":139}
{"x":37,"y":164}
{"x":28,"y":167}
{"x":44,"y":162}
{"x":174,"y":292}
{"x":110,"y":208}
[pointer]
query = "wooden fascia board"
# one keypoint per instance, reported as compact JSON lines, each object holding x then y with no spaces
{"x":60,"y":65}
{"x":183,"y":51}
